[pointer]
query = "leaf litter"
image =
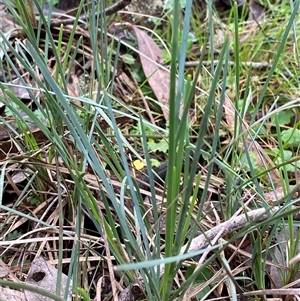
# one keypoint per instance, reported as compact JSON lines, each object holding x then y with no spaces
{"x":151,"y":59}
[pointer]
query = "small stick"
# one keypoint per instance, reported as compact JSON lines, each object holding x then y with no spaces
{"x":108,"y":12}
{"x":116,"y":7}
{"x":254,"y":65}
{"x":233,"y":224}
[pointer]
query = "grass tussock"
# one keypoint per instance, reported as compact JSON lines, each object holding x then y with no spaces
{"x":131,"y":188}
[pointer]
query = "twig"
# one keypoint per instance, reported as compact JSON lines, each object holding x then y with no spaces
{"x":108,"y":11}
{"x":260,"y":66}
{"x":203,"y":240}
{"x":116,"y":7}
{"x":276,"y":291}
{"x":254,"y":65}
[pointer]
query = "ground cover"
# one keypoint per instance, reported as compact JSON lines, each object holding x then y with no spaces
{"x":150,"y":157}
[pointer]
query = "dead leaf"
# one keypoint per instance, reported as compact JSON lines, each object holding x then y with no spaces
{"x":20,"y":176}
{"x":3,"y":272}
{"x":280,"y":255}
{"x":262,"y":159}
{"x":44,"y":275}
{"x":7,"y":294}
{"x":256,"y":10}
{"x":274,"y":196}
{"x":158,"y":78}
{"x":17,"y":88}
{"x":7,"y":24}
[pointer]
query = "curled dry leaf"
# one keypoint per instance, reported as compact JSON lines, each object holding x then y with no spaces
{"x":44,"y":275}
{"x":158,"y":78}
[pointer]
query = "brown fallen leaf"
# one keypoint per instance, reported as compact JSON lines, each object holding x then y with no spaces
{"x":44,"y":275}
{"x":257,"y":10}
{"x":281,"y":258}
{"x":261,"y":157}
{"x":158,"y":78}
{"x":17,"y":88}
{"x":7,"y":24}
{"x":277,"y":195}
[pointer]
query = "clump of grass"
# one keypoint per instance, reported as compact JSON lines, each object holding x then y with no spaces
{"x":79,"y":159}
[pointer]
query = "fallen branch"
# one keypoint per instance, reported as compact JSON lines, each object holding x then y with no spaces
{"x":203,"y":240}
